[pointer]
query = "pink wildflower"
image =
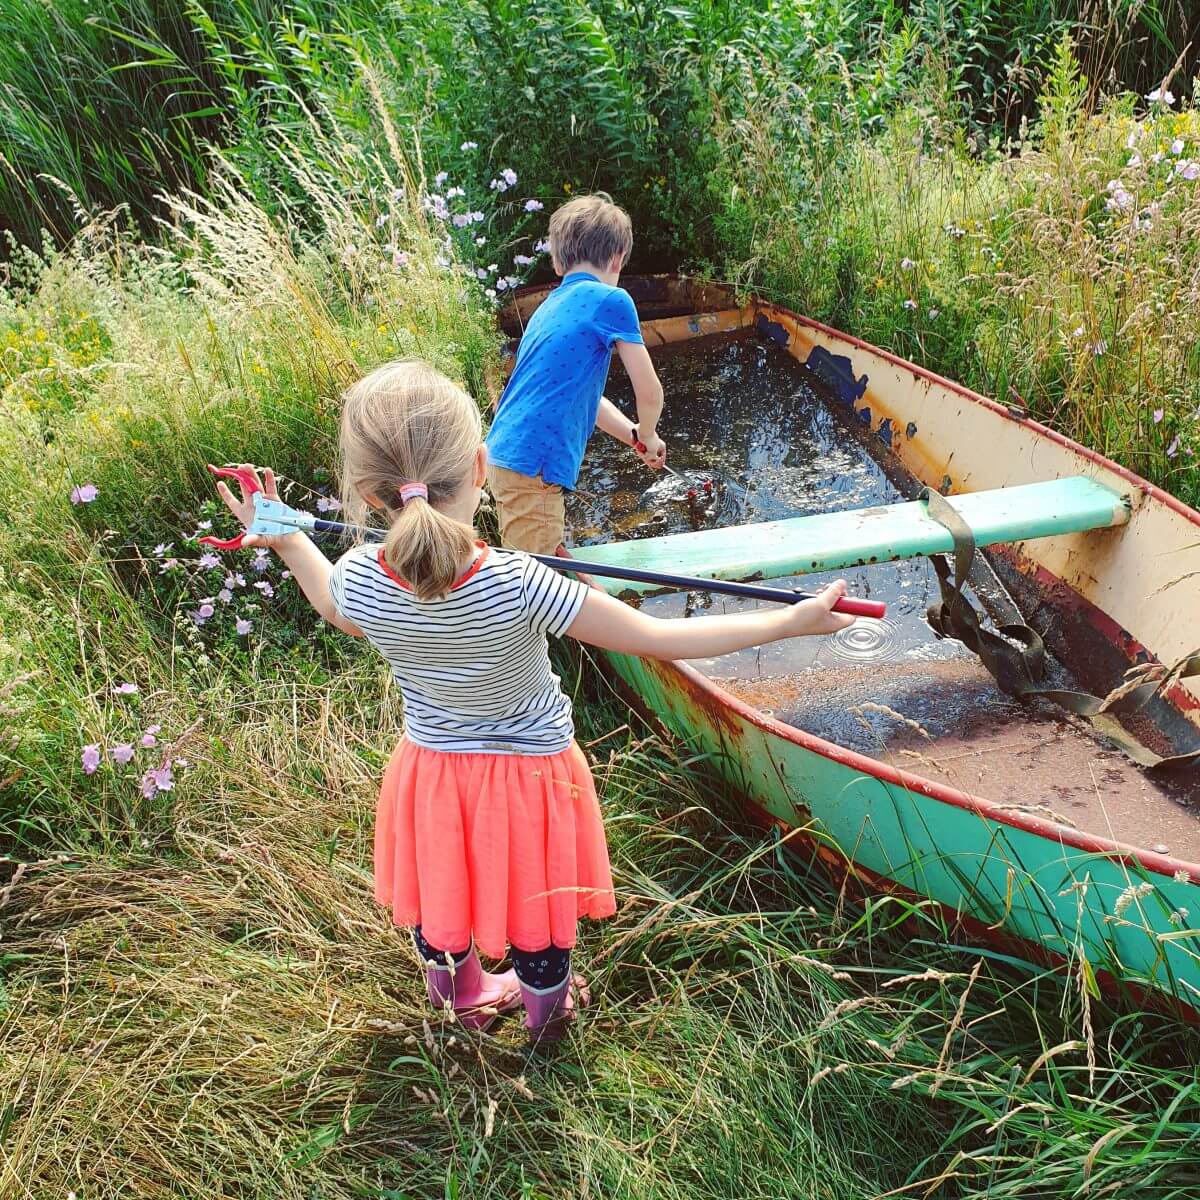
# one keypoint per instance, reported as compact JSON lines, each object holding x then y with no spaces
{"x":148,"y":738}
{"x":243,"y":627}
{"x":157,"y":779}
{"x":90,"y":758}
{"x":122,"y":753}
{"x":125,"y":689}
{"x":84,"y":494}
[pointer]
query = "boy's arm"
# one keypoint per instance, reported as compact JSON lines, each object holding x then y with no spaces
{"x":611,"y":420}
{"x":649,"y":394}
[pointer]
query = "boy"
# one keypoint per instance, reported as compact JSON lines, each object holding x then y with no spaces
{"x":555,"y":393}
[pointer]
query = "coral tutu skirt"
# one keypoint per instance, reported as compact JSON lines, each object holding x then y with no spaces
{"x":508,"y":848}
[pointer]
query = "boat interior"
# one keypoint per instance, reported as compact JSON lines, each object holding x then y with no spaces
{"x":758,"y":437}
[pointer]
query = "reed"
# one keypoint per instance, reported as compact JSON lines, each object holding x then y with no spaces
{"x":199,"y":996}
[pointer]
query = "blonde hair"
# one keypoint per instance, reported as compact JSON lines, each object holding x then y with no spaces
{"x":407,"y":423}
{"x":590,"y":229}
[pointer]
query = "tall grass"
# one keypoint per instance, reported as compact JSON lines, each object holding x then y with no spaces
{"x":199,"y":996}
{"x":106,"y":102}
{"x":1062,"y":278}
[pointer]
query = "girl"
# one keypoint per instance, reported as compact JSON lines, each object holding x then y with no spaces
{"x":489,"y":832}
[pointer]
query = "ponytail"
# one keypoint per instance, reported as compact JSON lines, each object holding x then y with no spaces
{"x":426,"y":548}
{"x":406,"y":422}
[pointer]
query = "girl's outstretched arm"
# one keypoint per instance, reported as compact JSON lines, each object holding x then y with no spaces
{"x":605,"y":622}
{"x":309,"y":567}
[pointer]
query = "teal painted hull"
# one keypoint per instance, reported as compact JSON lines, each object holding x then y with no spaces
{"x":1119,"y":916}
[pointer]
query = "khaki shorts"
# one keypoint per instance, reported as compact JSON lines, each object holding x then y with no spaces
{"x":532,"y":513}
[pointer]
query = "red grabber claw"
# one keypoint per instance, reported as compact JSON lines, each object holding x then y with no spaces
{"x":249,"y":486}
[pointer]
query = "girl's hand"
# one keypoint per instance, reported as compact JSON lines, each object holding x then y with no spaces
{"x":816,"y":616}
{"x":243,"y":509}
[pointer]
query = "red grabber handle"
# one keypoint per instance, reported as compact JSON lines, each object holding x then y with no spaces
{"x":860,"y":608}
{"x":249,"y":486}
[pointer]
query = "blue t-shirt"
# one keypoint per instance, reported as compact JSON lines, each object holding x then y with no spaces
{"x":548,"y":408}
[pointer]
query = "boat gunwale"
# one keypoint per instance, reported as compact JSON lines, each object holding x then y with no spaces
{"x":1143,"y":485}
{"x":1159,"y":864}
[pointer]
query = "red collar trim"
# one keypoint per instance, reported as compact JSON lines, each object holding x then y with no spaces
{"x":466,"y":575}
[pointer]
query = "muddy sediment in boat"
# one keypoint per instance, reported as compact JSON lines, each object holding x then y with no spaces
{"x":754,"y":438}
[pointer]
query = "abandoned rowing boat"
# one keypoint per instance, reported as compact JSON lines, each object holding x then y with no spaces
{"x":1029,"y":833}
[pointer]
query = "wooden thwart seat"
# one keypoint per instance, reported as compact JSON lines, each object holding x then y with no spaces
{"x":835,"y":541}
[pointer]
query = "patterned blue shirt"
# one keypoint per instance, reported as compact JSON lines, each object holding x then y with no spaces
{"x":548,"y":408}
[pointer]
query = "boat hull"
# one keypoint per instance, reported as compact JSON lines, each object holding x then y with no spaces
{"x":1030,"y":887}
{"x":1117,"y":914}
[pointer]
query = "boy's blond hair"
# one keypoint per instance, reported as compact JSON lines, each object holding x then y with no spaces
{"x":590,"y":229}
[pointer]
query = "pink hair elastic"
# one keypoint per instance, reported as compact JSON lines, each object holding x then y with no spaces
{"x":410,"y":491}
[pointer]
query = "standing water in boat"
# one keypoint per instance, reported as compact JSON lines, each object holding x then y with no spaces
{"x":755,"y":437}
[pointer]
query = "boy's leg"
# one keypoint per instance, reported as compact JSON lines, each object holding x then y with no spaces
{"x":532,"y":514}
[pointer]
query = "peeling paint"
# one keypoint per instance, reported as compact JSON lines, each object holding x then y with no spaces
{"x":771,"y":329}
{"x":837,"y":372}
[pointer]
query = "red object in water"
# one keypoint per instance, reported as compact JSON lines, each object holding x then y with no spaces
{"x":691,"y":493}
{"x":708,"y":486}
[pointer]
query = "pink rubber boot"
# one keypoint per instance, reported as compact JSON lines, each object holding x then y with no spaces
{"x":549,"y":1013}
{"x":476,"y":996}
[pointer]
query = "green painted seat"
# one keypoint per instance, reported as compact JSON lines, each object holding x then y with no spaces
{"x":834,"y":541}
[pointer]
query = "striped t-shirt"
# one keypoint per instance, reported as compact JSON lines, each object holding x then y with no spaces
{"x":473,"y":666}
